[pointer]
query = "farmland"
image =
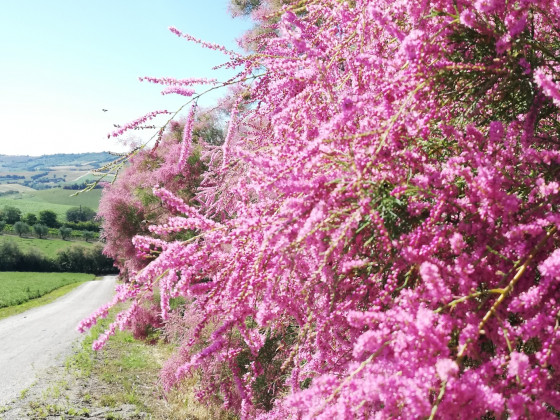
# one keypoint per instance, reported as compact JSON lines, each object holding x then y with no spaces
{"x":14,"y":188}
{"x":17,"y":288}
{"x":34,"y":184}
{"x":47,"y":247}
{"x":64,"y":197}
{"x":56,"y":199}
{"x":50,"y":171}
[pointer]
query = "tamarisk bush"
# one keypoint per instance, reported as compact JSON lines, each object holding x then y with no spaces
{"x":128,"y":206}
{"x":377,"y":235}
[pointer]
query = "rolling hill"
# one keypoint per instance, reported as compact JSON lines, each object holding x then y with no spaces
{"x":50,"y":171}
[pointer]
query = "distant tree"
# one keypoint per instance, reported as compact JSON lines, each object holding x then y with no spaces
{"x":80,"y":214}
{"x":88,"y":235}
{"x":11,"y":214}
{"x":21,"y":228}
{"x":30,"y":218}
{"x":81,"y":186}
{"x":10,"y":255}
{"x":40,"y":230}
{"x":65,"y":232}
{"x":49,"y":218}
{"x":73,"y":259}
{"x":39,"y":175}
{"x":2,"y":225}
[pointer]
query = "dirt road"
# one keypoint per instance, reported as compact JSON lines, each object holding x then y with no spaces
{"x":42,"y":337}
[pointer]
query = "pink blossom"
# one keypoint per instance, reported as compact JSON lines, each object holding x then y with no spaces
{"x":446,"y":368}
{"x":518,"y":364}
{"x":468,"y":18}
{"x":457,"y":243}
{"x":548,"y":86}
{"x":186,"y":146}
{"x":374,"y":233}
{"x":136,"y":123}
{"x":551,"y":266}
{"x":179,"y":90}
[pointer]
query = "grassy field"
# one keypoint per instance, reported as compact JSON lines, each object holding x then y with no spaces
{"x":47,"y":247}
{"x":55,"y":199}
{"x":17,"y":288}
{"x":60,"y":196}
{"x":43,"y":300}
{"x":15,"y":187}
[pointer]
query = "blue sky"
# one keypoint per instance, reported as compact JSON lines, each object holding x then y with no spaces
{"x":63,"y":61}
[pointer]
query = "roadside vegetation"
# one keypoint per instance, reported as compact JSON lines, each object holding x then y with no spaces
{"x":119,"y":382}
{"x":17,"y":288}
{"x":43,"y":300}
{"x":127,"y":370}
{"x":376,"y":234}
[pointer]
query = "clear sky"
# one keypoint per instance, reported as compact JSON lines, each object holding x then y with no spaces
{"x":63,"y":61}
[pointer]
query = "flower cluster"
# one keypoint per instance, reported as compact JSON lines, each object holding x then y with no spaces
{"x":377,"y":236}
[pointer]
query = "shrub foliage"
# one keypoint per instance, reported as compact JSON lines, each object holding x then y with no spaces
{"x":377,"y":234}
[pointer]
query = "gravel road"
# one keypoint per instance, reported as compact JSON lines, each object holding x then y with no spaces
{"x":42,"y":337}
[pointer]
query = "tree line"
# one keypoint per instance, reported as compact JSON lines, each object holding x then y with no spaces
{"x":75,"y":259}
{"x":79,"y":219}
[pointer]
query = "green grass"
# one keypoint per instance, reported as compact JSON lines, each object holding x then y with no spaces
{"x":22,"y":202}
{"x":128,"y":369}
{"x":48,"y":247}
{"x":17,"y":288}
{"x":15,"y":187}
{"x":43,"y":300}
{"x":55,"y":199}
{"x":60,"y":196}
{"x":127,"y":365}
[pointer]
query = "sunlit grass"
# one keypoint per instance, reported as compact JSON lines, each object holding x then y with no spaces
{"x":48,"y":247}
{"x":17,"y":288}
{"x":43,"y":300}
{"x":55,"y":199}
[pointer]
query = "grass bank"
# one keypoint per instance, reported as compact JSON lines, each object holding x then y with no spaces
{"x":125,"y":373}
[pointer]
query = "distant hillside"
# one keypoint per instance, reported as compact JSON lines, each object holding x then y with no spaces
{"x":51,"y":171}
{"x":48,"y":162}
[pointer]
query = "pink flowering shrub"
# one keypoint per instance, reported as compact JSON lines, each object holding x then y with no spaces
{"x":128,"y":206}
{"x":145,"y":322}
{"x":377,"y":235}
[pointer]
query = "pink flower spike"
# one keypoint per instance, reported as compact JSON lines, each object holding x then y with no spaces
{"x":186,"y":145}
